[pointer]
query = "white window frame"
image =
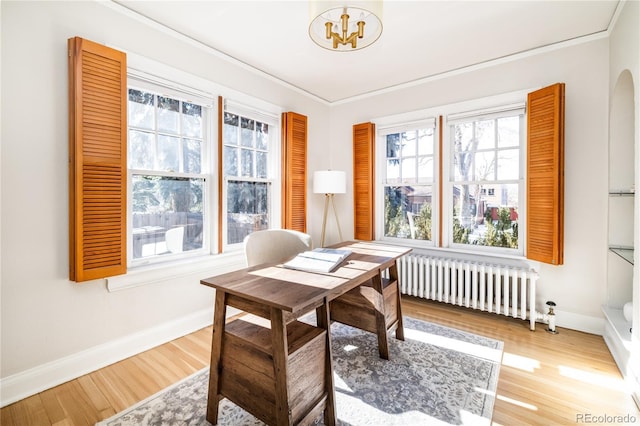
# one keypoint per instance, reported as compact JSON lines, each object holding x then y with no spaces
{"x":400,"y":124}
{"x":273,"y":178}
{"x":493,"y":112}
{"x":158,"y":86}
{"x":485,"y":107}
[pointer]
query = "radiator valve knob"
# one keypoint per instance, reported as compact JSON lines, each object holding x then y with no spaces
{"x":551,"y":318}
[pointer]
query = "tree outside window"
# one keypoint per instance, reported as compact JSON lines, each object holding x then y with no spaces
{"x":166,"y":143}
{"x":486,"y":181}
{"x":408,"y":189}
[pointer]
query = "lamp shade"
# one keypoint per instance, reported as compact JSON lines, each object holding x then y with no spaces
{"x":329,"y":182}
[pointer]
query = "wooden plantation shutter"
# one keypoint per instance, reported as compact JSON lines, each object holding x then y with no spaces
{"x":294,"y":171}
{"x":97,"y":160}
{"x":363,"y":180}
{"x":545,"y":175}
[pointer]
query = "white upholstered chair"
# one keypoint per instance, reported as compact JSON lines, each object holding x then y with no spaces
{"x":174,"y":238}
{"x":173,"y":242}
{"x":275,"y":245}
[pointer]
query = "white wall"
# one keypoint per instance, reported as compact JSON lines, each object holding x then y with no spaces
{"x":625,"y":56}
{"x":578,"y":287}
{"x":48,"y":322}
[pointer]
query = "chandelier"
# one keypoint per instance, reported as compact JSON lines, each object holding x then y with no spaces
{"x":345,"y":27}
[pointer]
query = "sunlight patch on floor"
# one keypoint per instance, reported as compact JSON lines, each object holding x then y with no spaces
{"x":467,"y":418}
{"x":349,"y":348}
{"x":520,"y":362}
{"x":478,"y":351}
{"x":518,"y":403}
{"x":360,"y":410}
{"x":341,"y":385}
{"x":605,"y":381}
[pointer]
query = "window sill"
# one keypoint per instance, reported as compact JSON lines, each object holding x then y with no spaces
{"x":203,"y":267}
{"x":470,"y":255}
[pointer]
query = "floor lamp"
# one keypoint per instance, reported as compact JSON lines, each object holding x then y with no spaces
{"x":329,"y":183}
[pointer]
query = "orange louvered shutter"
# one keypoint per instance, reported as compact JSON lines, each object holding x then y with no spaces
{"x":363,"y":180}
{"x":97,"y":160}
{"x":545,"y":175}
{"x":294,"y":171}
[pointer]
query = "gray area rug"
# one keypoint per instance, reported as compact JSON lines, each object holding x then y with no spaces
{"x":438,"y":375}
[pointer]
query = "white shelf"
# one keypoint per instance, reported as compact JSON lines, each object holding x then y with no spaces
{"x":621,"y":326}
{"x":622,"y":193}
{"x":624,"y":252}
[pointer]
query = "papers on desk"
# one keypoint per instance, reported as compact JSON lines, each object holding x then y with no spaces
{"x":318,"y":260}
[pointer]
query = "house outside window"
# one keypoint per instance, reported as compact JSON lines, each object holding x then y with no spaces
{"x":408,"y":173}
{"x":169,"y":183}
{"x":249,"y":171}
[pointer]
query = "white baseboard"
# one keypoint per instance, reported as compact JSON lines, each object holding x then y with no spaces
{"x":21,"y":385}
{"x":579,"y":322}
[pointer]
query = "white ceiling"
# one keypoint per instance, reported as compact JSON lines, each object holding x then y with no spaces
{"x":420,"y":39}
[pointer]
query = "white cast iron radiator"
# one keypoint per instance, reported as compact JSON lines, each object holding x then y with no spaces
{"x":489,"y":287}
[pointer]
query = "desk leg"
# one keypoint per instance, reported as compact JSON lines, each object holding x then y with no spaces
{"x":381,"y":323}
{"x":280,"y":357}
{"x":219,"y":315}
{"x":393,"y":275}
{"x":324,"y":321}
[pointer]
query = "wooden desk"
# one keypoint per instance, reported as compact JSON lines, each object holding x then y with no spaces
{"x":275,"y":367}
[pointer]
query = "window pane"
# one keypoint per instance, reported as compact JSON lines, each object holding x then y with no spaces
{"x":393,"y":171}
{"x":168,"y":114}
{"x":409,"y":169}
{"x":192,"y":155}
{"x":141,"y":150}
{"x":168,"y":152}
{"x":484,"y":166}
{"x":508,"y":131}
{"x":141,"y":109}
{"x":230,"y":129}
{"x":246,"y":162}
{"x":161,"y":206}
{"x":191,"y":120}
{"x":462,"y":166}
{"x":261,"y":165}
{"x":462,"y":137}
{"x":247,"y":209}
{"x":462,"y":147}
{"x":407,"y":212}
{"x":425,"y":169}
{"x":230,"y":161}
{"x":393,"y":145}
{"x":247,"y":127}
{"x":262,"y":135}
{"x":508,"y":164}
{"x":485,"y":134}
{"x":408,"y":142}
{"x":425,"y":142}
{"x":483,"y":219}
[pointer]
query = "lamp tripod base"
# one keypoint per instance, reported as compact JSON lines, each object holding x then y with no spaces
{"x":328,"y":198}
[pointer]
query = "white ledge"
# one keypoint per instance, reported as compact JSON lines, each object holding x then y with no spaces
{"x":203,"y":267}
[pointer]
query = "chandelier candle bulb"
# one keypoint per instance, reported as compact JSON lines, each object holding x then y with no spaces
{"x":331,"y":28}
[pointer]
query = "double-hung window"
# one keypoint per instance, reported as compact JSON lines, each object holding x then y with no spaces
{"x":250,"y":153}
{"x":486,"y":181}
{"x":461,"y":186}
{"x":169,"y":145}
{"x":409,"y":172}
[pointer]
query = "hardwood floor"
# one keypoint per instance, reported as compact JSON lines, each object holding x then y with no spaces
{"x":545,"y":379}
